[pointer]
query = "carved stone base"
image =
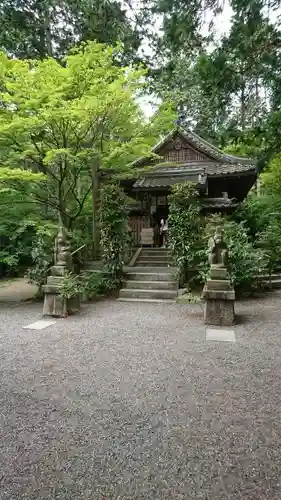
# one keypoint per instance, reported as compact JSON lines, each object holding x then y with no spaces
{"x":218,"y":272}
{"x":219,"y":312}
{"x":55,"y":305}
{"x":219,"y":298}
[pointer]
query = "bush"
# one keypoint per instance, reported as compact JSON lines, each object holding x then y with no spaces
{"x":88,"y":285}
{"x":114,"y":228}
{"x":16,"y":246}
{"x":269,"y":240}
{"x":258,"y":211}
{"x":184,"y":227}
{"x":190,"y":233}
{"x":19,"y":220}
{"x":246,"y":261}
{"x":42,"y":254}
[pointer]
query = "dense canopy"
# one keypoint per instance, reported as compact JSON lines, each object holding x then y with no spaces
{"x":76,"y":78}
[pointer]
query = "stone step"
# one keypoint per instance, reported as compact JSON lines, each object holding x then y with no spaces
{"x":96,"y":265}
{"x":152,"y":301}
{"x":151,"y":269}
{"x":266,"y":277}
{"x":129,"y":293}
{"x":154,"y":263}
{"x":155,"y":252}
{"x":153,"y":258}
{"x":151,"y":285}
{"x":275,"y":283}
{"x":137,"y":276}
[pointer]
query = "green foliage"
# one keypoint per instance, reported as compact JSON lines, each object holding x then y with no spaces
{"x":15,"y":246}
{"x":96,"y":284}
{"x":37,"y":29}
{"x":262,"y":215}
{"x":246,"y":261}
{"x":271,"y":178}
{"x":229,"y":89}
{"x":253,"y":239}
{"x":88,"y":285}
{"x":269,"y":240}
{"x":247,"y":144}
{"x":258,"y":212}
{"x":182,"y":23}
{"x":71,"y":286}
{"x":19,"y":218}
{"x":61,"y":120}
{"x":62,"y":128}
{"x":184,"y":226}
{"x":17,"y":174}
{"x":221,"y":85}
{"x":42,"y":254}
{"x":18,"y":222}
{"x":114,"y":228}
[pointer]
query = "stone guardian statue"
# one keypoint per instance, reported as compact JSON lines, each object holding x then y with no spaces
{"x":217,"y":250}
{"x":54,"y":303}
{"x":218,"y":291}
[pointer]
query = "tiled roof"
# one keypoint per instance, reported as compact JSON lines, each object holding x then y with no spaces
{"x":199,"y":144}
{"x":218,"y":202}
{"x":152,"y":182}
{"x":228,"y":169}
{"x":167,"y":176}
{"x":209,"y":168}
{"x":211,"y":150}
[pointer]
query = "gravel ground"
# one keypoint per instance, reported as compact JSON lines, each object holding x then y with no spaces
{"x":129,"y":401}
{"x":16,"y":290}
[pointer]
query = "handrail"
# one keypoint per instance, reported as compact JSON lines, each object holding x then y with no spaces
{"x":78,"y":249}
{"x":73,"y":253}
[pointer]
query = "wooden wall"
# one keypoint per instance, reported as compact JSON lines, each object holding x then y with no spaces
{"x":136,"y":223}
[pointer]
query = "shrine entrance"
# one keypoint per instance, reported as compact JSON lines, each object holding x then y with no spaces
{"x":152,"y":208}
{"x":222,"y":180}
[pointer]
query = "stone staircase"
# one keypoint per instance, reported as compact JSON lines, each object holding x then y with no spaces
{"x":274,"y":282}
{"x":150,"y":279}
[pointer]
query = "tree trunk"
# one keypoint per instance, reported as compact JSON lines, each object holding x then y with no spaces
{"x":243,"y":107}
{"x":258,"y":186}
{"x":257,"y":90}
{"x":46,"y":47}
{"x":95,"y":207}
{"x":62,"y":214}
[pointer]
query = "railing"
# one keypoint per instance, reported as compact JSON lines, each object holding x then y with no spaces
{"x":78,"y":249}
{"x":81,"y":255}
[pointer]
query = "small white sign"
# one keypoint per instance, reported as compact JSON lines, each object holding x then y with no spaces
{"x":220,"y":335}
{"x":39,"y":325}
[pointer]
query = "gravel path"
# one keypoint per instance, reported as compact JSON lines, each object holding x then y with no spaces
{"x":130,"y":402}
{"x":16,"y":290}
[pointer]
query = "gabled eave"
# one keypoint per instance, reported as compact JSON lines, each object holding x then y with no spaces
{"x":198,"y":144}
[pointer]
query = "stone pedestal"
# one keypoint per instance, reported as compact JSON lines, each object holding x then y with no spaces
{"x":219,"y":298}
{"x":54,"y":303}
